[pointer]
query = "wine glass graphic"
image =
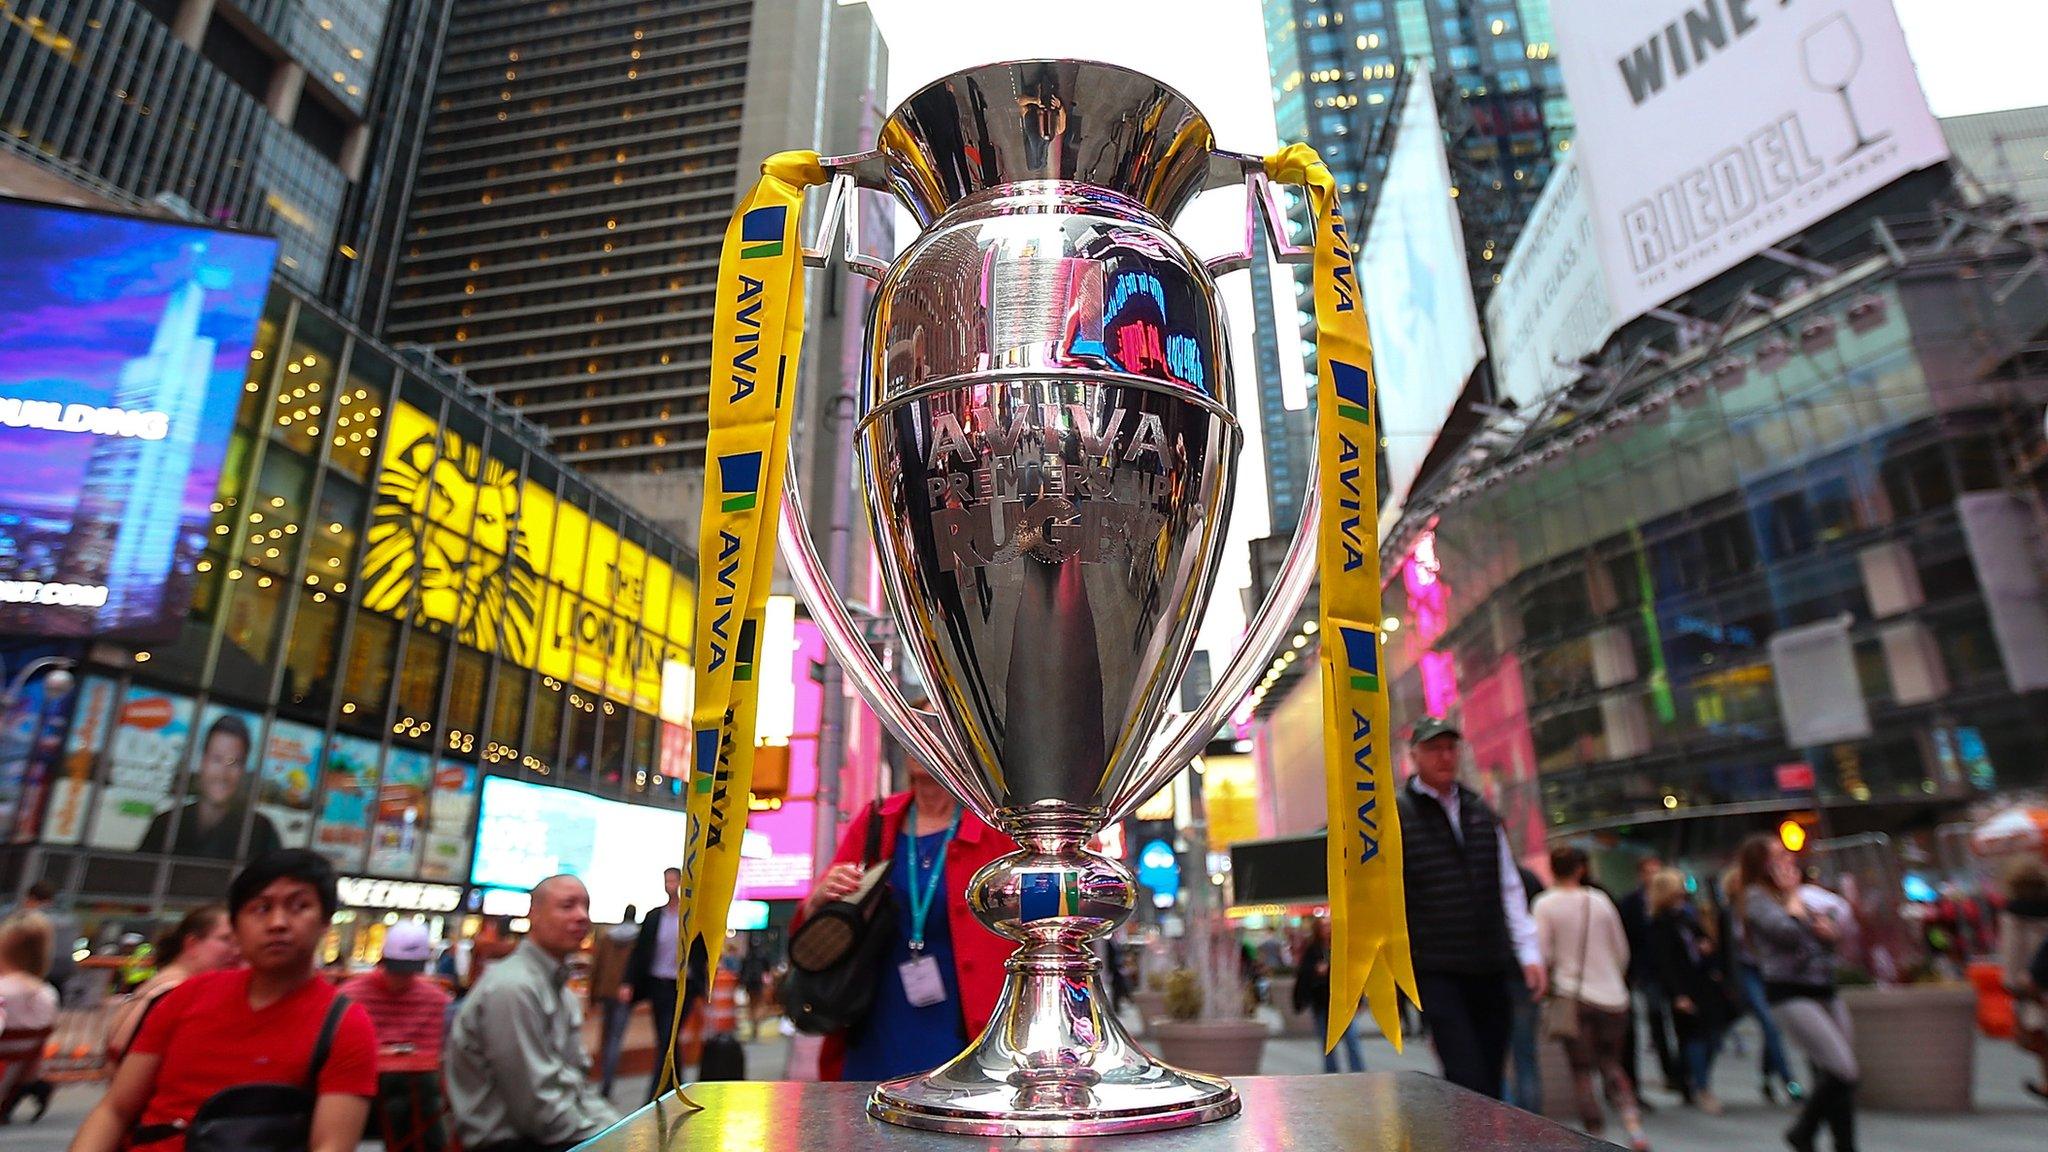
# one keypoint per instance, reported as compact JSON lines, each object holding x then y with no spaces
{"x":1832,"y":53}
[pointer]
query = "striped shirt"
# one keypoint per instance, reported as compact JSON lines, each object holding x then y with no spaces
{"x":412,"y":1013}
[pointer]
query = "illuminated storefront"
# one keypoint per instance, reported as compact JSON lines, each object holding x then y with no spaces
{"x":401,"y":593}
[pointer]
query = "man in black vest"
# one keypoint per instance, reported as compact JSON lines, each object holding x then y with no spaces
{"x":1468,"y":919}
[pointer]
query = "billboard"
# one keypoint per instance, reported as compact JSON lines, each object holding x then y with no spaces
{"x":1418,"y":295}
{"x":1710,"y":132}
{"x":460,"y":543}
{"x":123,"y":343}
{"x":1551,"y":305}
{"x":529,"y":832}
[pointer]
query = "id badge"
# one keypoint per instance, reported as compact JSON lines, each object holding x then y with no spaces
{"x":922,"y":985}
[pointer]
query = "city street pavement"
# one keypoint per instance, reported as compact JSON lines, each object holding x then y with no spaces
{"x":2006,"y":1119}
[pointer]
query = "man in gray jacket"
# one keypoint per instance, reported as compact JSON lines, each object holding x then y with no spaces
{"x":517,"y":1073}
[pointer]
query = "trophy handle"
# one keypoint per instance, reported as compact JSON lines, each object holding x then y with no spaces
{"x":1183,"y":739}
{"x":924,"y":738}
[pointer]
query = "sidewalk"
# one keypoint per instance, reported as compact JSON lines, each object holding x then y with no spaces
{"x":2006,"y":1119}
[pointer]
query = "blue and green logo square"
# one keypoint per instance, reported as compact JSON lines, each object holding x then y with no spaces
{"x":761,"y":232}
{"x":1354,"y":391}
{"x":1362,"y":658}
{"x":739,"y":481}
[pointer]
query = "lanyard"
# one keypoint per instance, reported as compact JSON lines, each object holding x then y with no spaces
{"x":923,"y":889}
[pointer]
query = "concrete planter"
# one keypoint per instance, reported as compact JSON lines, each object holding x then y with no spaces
{"x":1280,"y":995}
{"x":1151,"y":1006}
{"x":1219,"y":1047}
{"x":1916,"y":1045}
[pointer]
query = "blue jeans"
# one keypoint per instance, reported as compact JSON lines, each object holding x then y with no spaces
{"x":615,"y":1017}
{"x":1525,"y":1081}
{"x":1352,"y":1053}
{"x":1699,"y":1060}
{"x":1752,"y":987}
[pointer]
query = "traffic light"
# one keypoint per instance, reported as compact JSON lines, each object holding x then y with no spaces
{"x":1792,"y":835}
{"x":1795,"y":830}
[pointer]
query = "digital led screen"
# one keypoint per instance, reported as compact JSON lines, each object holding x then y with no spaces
{"x":123,"y":343}
{"x":529,"y":832}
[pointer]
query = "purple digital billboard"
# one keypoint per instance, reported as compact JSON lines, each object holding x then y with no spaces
{"x":123,"y":345}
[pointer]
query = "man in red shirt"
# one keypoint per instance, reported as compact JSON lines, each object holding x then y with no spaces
{"x":254,"y":1025}
{"x":410,"y":1013}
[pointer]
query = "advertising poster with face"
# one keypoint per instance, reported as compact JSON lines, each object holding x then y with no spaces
{"x":342,"y":833}
{"x":150,"y":740}
{"x":207,"y":821}
{"x":400,"y":828}
{"x":449,"y":816}
{"x":284,"y":788}
{"x":71,"y":790}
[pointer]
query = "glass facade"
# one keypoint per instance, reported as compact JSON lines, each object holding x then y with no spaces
{"x":1767,"y":592}
{"x":401,"y":594}
{"x":251,"y":113}
{"x":564,"y":234}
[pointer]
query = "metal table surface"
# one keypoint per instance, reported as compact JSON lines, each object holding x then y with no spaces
{"x":1359,"y":1112}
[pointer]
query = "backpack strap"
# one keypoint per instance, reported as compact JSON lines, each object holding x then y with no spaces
{"x":335,"y":1010}
{"x":873,"y":854}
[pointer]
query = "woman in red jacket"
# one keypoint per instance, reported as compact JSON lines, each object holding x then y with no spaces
{"x":945,"y":970}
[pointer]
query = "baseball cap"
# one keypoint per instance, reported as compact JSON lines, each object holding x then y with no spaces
{"x":1431,"y":727}
{"x":407,"y":947}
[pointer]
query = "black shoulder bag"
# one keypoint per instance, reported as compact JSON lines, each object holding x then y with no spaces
{"x":256,"y":1117}
{"x":836,"y":958}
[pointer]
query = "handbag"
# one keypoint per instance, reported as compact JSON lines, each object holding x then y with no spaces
{"x":256,"y":1117}
{"x":1560,"y":1014}
{"x":836,"y":958}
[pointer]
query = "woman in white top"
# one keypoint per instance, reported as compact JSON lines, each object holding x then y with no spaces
{"x":1586,"y":951}
{"x":27,"y":1004}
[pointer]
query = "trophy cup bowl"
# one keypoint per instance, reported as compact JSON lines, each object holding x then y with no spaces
{"x":1048,"y":449}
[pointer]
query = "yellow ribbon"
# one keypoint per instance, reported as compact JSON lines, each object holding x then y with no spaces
{"x":757,"y":334}
{"x":1368,"y":907}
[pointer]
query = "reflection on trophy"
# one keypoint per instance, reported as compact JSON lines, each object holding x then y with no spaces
{"x":1049,"y":453}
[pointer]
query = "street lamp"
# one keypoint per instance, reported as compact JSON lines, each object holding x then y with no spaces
{"x":56,"y":686}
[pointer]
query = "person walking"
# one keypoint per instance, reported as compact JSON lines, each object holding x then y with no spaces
{"x":1648,"y":1004}
{"x":1469,"y":928}
{"x":2022,"y":933}
{"x":64,"y":934}
{"x":517,"y":1074}
{"x":1312,"y":994}
{"x":1774,"y":1066}
{"x":608,"y":962}
{"x":651,"y":976}
{"x":409,"y":1013}
{"x":940,"y":981}
{"x":1794,"y":951}
{"x":1525,"y":1076}
{"x":203,"y":941}
{"x":274,"y":1022}
{"x":27,"y":1004}
{"x":1686,"y":956}
{"x":1586,"y":951}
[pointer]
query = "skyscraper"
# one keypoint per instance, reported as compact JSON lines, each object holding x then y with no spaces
{"x":251,"y":112}
{"x":126,"y":531}
{"x":564,"y":235}
{"x":1336,"y":64}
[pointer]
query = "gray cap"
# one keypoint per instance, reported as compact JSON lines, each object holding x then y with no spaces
{"x":1431,"y":727}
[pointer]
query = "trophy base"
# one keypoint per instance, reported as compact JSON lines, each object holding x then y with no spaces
{"x":1141,"y":1096}
{"x":1053,"y":1063}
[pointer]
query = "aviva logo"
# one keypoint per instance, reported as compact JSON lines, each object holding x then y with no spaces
{"x":743,"y":663}
{"x":1354,"y":391}
{"x":1362,"y":655}
{"x":761,"y":232}
{"x":707,"y":760}
{"x":739,"y":481}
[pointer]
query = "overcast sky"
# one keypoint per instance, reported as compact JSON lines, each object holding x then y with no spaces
{"x":1977,"y":55}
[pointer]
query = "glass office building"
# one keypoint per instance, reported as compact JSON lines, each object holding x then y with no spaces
{"x":254,"y":113}
{"x":1796,"y":570}
{"x":404,"y":591}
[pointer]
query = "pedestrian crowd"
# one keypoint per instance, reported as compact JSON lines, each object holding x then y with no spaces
{"x":239,"y":1041}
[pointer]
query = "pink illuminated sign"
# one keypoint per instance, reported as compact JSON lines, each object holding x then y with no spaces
{"x":1429,"y":614}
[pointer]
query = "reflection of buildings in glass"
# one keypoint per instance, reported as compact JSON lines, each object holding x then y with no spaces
{"x":130,"y":505}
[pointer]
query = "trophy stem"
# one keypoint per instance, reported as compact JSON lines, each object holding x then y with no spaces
{"x":1054,"y":1060}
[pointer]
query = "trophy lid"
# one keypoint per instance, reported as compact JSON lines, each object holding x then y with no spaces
{"x":1078,"y":120}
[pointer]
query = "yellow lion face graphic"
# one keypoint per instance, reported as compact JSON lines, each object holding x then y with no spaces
{"x":444,"y":548}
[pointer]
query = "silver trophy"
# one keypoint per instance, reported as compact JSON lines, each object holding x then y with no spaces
{"x":1049,"y":451}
